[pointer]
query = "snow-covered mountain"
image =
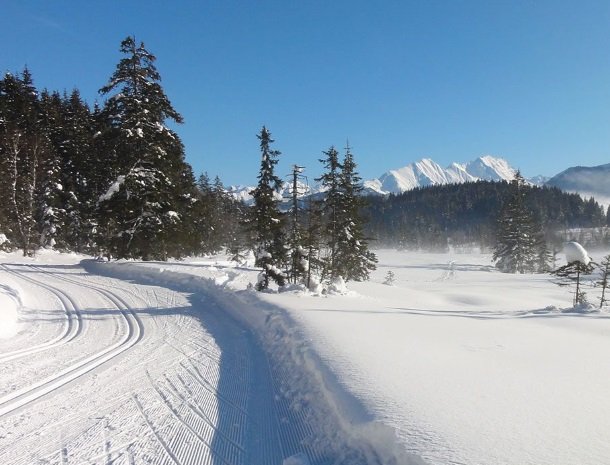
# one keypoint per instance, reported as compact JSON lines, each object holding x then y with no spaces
{"x":427,"y":172}
{"x":243,"y":193}
{"x":588,"y":181}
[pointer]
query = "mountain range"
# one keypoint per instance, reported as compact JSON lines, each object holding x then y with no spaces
{"x":427,"y":172}
{"x":587,"y":181}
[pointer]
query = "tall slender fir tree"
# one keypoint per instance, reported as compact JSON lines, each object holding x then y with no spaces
{"x":268,"y":221}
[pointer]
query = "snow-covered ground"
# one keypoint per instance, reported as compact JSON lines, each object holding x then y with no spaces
{"x":181,"y":363}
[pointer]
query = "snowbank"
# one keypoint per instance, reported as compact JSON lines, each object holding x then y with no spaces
{"x":338,"y":421}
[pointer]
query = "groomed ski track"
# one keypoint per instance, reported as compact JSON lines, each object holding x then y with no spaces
{"x":133,"y":366}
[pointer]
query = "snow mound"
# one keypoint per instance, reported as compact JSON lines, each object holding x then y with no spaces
{"x":576,"y":253}
{"x":337,"y":286}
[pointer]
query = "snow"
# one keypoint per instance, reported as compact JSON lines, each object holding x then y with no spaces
{"x":9,"y":305}
{"x":576,"y":253}
{"x":426,"y":172}
{"x":466,"y":364}
{"x":453,"y":363}
{"x":113,"y":189}
{"x":491,"y":168}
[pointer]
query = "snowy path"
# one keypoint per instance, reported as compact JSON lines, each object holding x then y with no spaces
{"x":126,"y":374}
{"x":105,"y":370}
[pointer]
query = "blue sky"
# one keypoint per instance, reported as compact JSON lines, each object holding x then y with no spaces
{"x":451,"y":80}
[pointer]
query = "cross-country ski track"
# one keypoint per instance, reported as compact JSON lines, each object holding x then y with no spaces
{"x":158,"y":371}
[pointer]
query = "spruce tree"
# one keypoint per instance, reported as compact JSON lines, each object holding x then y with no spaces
{"x":604,"y":268}
{"x":353,"y":259}
{"x":150,"y":197}
{"x":82,"y":169}
{"x":331,"y":208}
{"x":572,"y":274}
{"x":24,"y":149}
{"x":267,"y":222}
{"x":51,"y":215}
{"x":518,"y":237}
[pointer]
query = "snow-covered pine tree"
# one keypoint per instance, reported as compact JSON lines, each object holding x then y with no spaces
{"x":518,"y":236}
{"x":145,"y":210}
{"x":298,"y":254}
{"x":51,"y":213}
{"x":24,"y":144}
{"x":82,"y":169}
{"x":390,"y":277}
{"x":331,"y":208}
{"x":268,"y":221}
{"x":312,"y":243}
{"x":353,"y":259}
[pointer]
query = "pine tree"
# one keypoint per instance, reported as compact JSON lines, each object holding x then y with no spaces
{"x":146,"y":208}
{"x":24,"y":147}
{"x":604,"y":268}
{"x":518,"y":237}
{"x":82,"y":169}
{"x":571,"y":274}
{"x":51,"y":215}
{"x":331,"y":208}
{"x":353,"y":259}
{"x":390,"y":277}
{"x":312,"y":244}
{"x":267,"y":219}
{"x":298,"y":259}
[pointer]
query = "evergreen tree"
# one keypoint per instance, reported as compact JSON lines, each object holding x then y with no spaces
{"x":24,"y":149}
{"x":331,"y":208}
{"x":572,"y":274}
{"x":51,"y":215}
{"x":82,"y":172}
{"x":518,"y":237}
{"x":146,"y":208}
{"x":267,"y":219}
{"x":298,"y":255}
{"x":312,"y":244}
{"x":604,"y":268}
{"x":353,"y":260}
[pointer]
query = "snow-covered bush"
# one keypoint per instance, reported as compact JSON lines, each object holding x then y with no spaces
{"x":390,"y":277}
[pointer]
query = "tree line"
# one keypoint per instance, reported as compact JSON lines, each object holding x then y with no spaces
{"x":109,"y":180}
{"x":112,"y":181}
{"x":437,"y":217}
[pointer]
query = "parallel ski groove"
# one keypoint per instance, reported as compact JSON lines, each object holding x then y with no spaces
{"x":73,"y":326}
{"x":22,"y":397}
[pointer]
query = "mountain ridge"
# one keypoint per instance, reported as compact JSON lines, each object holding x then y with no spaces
{"x":421,"y":173}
